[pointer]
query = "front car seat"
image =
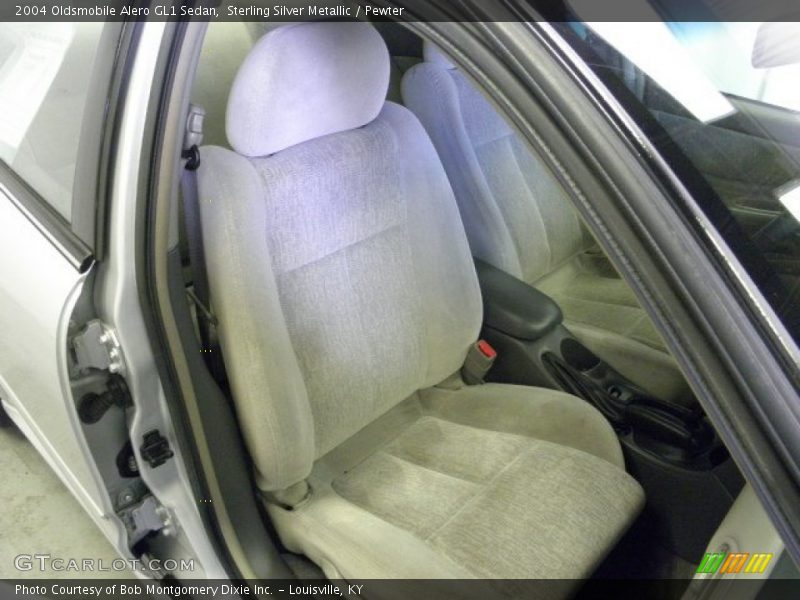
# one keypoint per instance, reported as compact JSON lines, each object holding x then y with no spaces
{"x":347,"y":300}
{"x":519,"y":219}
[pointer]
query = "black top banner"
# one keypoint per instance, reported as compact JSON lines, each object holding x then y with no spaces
{"x":400,"y":10}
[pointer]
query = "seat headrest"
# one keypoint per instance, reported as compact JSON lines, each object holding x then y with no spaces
{"x":304,"y":81}
{"x":432,"y":54}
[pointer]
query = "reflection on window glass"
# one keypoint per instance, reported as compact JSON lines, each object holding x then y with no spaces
{"x":727,"y":120}
{"x":45,"y":70}
{"x":724,"y":52}
{"x":646,"y":45}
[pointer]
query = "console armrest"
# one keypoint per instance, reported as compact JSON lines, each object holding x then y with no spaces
{"x":513,"y":307}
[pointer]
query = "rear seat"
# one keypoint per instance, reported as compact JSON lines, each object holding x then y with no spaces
{"x":519,"y":219}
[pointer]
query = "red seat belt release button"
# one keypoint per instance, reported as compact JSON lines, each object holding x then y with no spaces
{"x":479,"y":360}
{"x":486,"y":349}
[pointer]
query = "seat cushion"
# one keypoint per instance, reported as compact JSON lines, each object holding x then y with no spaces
{"x":604,"y":301}
{"x":602,"y":311}
{"x":492,"y":481}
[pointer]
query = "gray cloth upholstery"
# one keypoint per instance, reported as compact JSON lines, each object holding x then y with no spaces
{"x":343,"y":284}
{"x":225,"y":46}
{"x":351,"y":255}
{"x":350,"y":260}
{"x":271,"y":398}
{"x":453,"y":486}
{"x":432,"y":54}
{"x":516,"y":214}
{"x":519,"y":219}
{"x":286,"y":92}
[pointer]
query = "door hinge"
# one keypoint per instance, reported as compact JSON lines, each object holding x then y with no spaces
{"x":96,"y":347}
{"x":146,"y":517}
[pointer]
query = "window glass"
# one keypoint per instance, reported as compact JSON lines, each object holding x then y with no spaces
{"x":724,"y":52}
{"x":45,"y":70}
{"x":723,"y":110}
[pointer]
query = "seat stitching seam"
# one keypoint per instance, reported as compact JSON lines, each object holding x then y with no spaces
{"x":388,"y":452}
{"x":348,"y":246}
{"x":482,"y":488}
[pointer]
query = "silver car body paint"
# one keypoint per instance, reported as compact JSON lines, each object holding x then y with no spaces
{"x":34,"y":380}
{"x":39,"y":293}
{"x":117,"y":302}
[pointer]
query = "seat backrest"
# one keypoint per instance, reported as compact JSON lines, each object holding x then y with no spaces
{"x":338,"y":266}
{"x":516,"y":214}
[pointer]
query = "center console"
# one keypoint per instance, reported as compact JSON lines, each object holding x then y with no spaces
{"x":688,"y":476}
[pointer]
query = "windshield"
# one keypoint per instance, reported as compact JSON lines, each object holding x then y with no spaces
{"x":723,"y":110}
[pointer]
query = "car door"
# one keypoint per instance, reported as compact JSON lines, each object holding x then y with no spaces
{"x":55,"y":85}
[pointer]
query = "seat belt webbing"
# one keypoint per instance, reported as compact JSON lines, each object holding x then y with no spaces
{"x":200,"y":294}
{"x":194,"y":236}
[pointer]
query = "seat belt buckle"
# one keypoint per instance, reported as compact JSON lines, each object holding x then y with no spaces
{"x":480,"y":358}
